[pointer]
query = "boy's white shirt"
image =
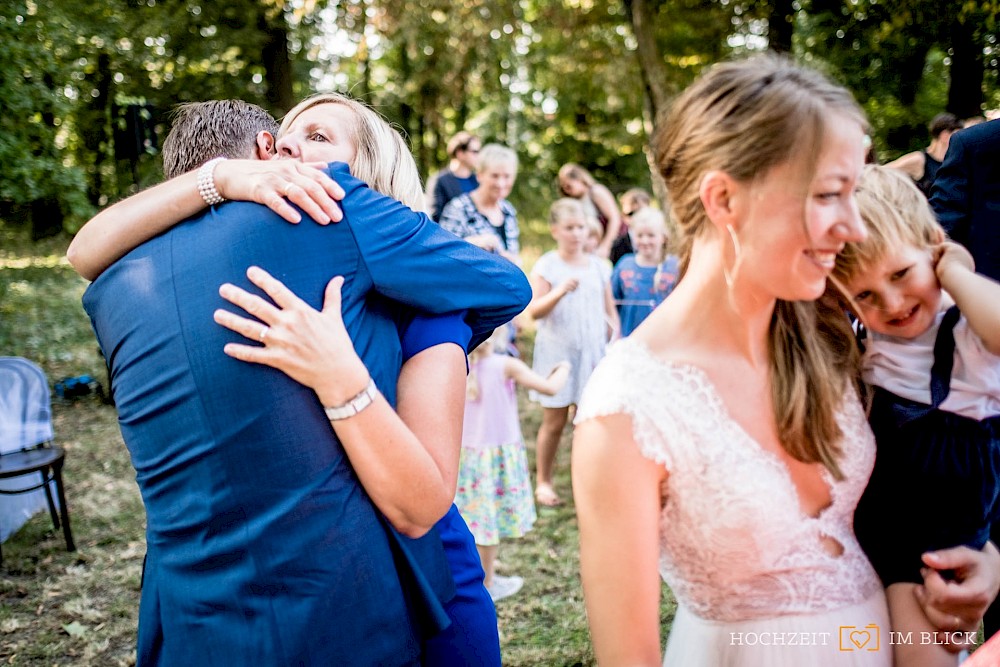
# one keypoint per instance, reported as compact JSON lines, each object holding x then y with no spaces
{"x":903,"y":366}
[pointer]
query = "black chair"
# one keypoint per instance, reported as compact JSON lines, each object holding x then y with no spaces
{"x":27,"y":455}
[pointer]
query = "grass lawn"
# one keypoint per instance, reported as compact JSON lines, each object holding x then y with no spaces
{"x":60,"y":608}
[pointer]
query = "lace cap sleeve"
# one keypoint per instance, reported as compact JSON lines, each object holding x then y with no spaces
{"x":628,"y":381}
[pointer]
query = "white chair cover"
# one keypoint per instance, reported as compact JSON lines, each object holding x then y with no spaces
{"x":25,"y":421}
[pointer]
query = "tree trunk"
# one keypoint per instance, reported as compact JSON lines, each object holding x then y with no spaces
{"x":656,"y":92}
{"x":911,"y":71}
{"x":94,"y":125}
{"x":781,"y":25}
{"x":46,"y":218}
{"x":277,"y":63}
{"x":654,"y":74}
{"x":965,"y":92}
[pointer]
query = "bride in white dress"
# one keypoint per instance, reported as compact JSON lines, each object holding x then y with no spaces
{"x":724,"y":444}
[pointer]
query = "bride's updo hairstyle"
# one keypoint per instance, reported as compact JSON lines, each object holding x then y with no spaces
{"x":382,"y":159}
{"x":745,"y":118}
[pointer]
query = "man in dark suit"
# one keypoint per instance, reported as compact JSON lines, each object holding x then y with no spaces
{"x":263,"y":548}
{"x":966,"y":200}
{"x":966,"y":194}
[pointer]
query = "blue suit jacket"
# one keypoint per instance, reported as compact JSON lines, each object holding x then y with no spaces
{"x":966,"y":194}
{"x":263,"y":548}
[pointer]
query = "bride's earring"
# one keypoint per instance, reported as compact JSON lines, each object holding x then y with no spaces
{"x":730,"y":276}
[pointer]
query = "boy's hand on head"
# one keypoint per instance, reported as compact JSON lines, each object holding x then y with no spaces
{"x":949,"y":255}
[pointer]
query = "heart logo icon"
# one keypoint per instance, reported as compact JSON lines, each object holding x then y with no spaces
{"x":860,"y":638}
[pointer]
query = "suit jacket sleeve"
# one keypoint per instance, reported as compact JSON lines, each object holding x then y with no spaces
{"x":413,"y":261}
{"x":950,"y":195}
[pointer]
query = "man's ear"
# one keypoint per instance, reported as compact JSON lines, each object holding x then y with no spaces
{"x":265,"y":146}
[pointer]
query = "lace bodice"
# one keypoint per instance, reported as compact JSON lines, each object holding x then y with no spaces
{"x":734,"y":542}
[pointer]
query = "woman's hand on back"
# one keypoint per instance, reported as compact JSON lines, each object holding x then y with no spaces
{"x":280,"y":183}
{"x":310,"y":346}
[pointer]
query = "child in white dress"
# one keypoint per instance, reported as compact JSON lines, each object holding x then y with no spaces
{"x":572,"y":304}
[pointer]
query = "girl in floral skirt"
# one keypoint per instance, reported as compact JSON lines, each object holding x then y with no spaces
{"x":494,"y":486}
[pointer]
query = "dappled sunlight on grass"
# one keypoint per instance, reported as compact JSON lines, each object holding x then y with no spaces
{"x":47,"y":262}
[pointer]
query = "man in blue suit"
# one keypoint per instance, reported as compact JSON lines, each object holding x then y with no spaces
{"x":263,"y":548}
{"x":966,"y":194}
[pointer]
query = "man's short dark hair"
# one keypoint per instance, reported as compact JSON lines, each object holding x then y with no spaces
{"x":217,"y":128}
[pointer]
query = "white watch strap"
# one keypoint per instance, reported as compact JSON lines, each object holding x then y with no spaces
{"x":354,"y":405}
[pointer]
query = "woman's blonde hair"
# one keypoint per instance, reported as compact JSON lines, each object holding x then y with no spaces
{"x":382,"y":159}
{"x":745,"y":118}
{"x":649,"y":217}
{"x":566,"y":207}
{"x":498,"y":339}
{"x":895,"y":213}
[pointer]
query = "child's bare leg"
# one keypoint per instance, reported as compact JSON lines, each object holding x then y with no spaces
{"x":488,"y":557}
{"x":914,"y":633}
{"x":549,"y":433}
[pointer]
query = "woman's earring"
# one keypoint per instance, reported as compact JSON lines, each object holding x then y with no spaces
{"x":737,"y":253}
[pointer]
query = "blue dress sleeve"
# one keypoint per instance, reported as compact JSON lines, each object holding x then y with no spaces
{"x":421,"y":332}
{"x":410,"y":259}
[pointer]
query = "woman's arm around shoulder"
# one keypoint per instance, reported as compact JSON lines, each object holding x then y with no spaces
{"x":412,"y":260}
{"x":125,"y":225}
{"x":618,"y":503}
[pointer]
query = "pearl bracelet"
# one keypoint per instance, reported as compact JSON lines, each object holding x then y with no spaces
{"x":206,"y":182}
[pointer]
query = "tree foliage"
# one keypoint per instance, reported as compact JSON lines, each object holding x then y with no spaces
{"x":38,"y":180}
{"x":89,"y":84}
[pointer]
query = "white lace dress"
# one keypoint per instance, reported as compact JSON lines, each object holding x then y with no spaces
{"x":753,"y":581}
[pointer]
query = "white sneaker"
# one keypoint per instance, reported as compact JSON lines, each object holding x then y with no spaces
{"x":504,"y":587}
